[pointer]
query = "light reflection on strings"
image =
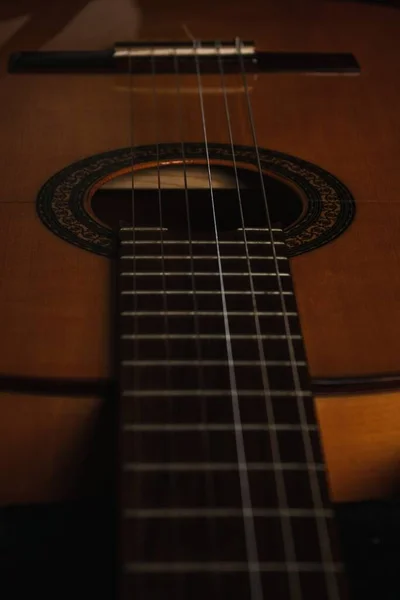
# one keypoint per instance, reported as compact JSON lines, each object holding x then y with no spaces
{"x":249,"y":528}
{"x":210,"y":491}
{"x":323,"y":534}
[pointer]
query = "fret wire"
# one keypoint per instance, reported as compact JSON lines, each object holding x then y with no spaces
{"x":323,"y":534}
{"x":199,"y":274}
{"x":202,"y":242}
{"x":129,"y":467}
{"x":176,"y":427}
{"x":210,"y":363}
{"x":258,"y":228}
{"x":204,"y":292}
{"x":204,"y":313}
{"x":231,"y":567}
{"x":199,"y":257}
{"x":216,"y":393}
{"x":202,"y":336}
{"x":211,"y":513}
{"x":143,"y":228}
{"x":166,"y":229}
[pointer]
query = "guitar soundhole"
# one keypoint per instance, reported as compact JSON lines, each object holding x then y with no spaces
{"x":149,"y":206}
{"x":85,"y":202}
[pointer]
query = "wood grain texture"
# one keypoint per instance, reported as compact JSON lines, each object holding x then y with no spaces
{"x":48,"y":294}
{"x":54,"y":301}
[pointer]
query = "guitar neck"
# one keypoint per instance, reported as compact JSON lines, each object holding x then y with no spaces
{"x":223,"y":486}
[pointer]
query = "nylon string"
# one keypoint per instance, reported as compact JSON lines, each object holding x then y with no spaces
{"x":323,"y":535}
{"x":210,"y":486}
{"x":248,"y":518}
{"x":180,"y":580}
{"x":161,"y":228}
{"x":287,"y":533}
{"x":134,"y":283}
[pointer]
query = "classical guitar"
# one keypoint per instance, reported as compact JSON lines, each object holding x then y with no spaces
{"x":200,"y":304}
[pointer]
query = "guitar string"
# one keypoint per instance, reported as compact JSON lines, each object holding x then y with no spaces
{"x":323,"y":534}
{"x":161,"y":223}
{"x":166,"y":337}
{"x":249,"y":528}
{"x":136,"y":439}
{"x":287,"y":533}
{"x":172,"y":475}
{"x":210,"y":486}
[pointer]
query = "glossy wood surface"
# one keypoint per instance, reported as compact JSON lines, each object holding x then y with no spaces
{"x":55,"y":301}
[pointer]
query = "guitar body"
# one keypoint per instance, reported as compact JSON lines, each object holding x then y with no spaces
{"x":55,"y":307}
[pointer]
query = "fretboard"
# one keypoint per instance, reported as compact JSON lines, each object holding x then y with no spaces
{"x":223,"y":491}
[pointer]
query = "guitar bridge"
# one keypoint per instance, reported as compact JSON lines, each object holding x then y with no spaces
{"x":147,"y":58}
